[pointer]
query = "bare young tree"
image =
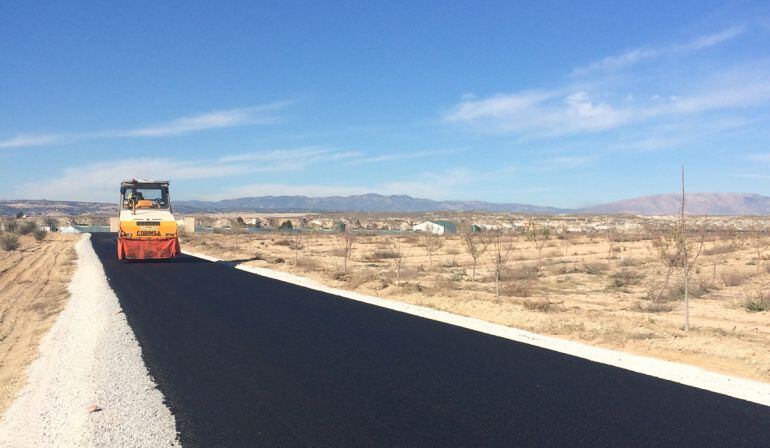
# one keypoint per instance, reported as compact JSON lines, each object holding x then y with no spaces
{"x":679,"y":250}
{"x":690,"y":250}
{"x":499,"y":249}
{"x":612,"y":238}
{"x":395,"y":243}
{"x":297,"y":242}
{"x":537,"y":234}
{"x":345,"y":239}
{"x":236,"y":229}
{"x":431,"y":242}
{"x":758,"y":243}
{"x":475,"y":244}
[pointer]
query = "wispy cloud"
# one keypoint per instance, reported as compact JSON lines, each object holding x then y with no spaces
{"x":24,"y":140}
{"x":759,"y":157}
{"x":564,"y":162}
{"x":397,"y":156}
{"x":539,"y":113}
{"x":264,"y":114}
{"x":433,"y":185}
{"x":596,"y":107}
{"x":637,"y":55}
{"x":250,"y":116}
{"x":96,"y":181}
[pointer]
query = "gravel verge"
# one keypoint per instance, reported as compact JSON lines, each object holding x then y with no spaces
{"x":88,"y":359}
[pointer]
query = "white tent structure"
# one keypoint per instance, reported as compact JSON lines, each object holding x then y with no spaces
{"x":429,"y":227}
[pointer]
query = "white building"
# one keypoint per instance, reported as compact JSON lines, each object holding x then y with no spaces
{"x":430,"y":227}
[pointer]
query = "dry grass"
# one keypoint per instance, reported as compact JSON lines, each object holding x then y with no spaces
{"x":33,"y":290}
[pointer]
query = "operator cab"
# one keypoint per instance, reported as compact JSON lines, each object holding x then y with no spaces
{"x":144,"y":195}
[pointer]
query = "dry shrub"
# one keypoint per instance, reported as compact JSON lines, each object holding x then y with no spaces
{"x":543,"y":305}
{"x":308,"y":264}
{"x":595,"y":268}
{"x":448,"y":264}
{"x":286,"y":243}
{"x":719,"y":250}
{"x":734,"y":278}
{"x":27,"y":227}
{"x":521,"y":272}
{"x":378,"y":284}
{"x":9,"y":242}
{"x":411,"y":287}
{"x":625,"y":277}
{"x":39,"y":235}
{"x":516,"y":289}
{"x":653,"y":307}
{"x":554,"y":254}
{"x":453,"y":251}
{"x":565,"y":269}
{"x":279,"y":260}
{"x":381,"y":254}
{"x":630,"y":262}
{"x":757,"y":302}
{"x":339,"y":275}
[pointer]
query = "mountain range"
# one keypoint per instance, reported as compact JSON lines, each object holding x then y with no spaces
{"x":664,"y":204}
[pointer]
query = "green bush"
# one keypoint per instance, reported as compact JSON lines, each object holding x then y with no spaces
{"x":11,"y":226}
{"x":9,"y":242}
{"x":39,"y":235}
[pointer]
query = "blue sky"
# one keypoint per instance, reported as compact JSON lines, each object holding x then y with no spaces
{"x":552,"y":103}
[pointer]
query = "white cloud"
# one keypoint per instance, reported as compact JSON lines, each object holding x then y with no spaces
{"x":576,"y":109}
{"x":96,"y":181}
{"x":761,"y":157}
{"x":539,"y":113}
{"x":211,"y":120}
{"x":262,"y":114}
{"x":296,"y":155}
{"x":273,"y":189}
{"x":24,"y":140}
{"x":564,"y":162}
{"x":395,"y":156}
{"x":710,"y":40}
{"x":433,"y":185}
{"x":636,"y":55}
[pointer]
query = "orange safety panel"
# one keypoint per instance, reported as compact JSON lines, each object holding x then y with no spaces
{"x":139,"y":249}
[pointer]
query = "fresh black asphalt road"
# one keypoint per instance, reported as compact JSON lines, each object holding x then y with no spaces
{"x":249,"y":361}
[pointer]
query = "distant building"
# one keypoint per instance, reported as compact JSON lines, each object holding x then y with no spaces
{"x":437,"y":227}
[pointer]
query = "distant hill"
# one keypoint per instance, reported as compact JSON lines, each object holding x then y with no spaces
{"x":363,"y":202}
{"x":696,"y":204}
{"x":663,"y":204}
{"x":39,"y":207}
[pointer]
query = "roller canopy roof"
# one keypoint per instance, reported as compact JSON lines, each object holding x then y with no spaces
{"x":144,"y":183}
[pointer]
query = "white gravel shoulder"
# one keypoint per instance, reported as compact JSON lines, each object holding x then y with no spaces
{"x":89,"y":357}
{"x":744,"y":389}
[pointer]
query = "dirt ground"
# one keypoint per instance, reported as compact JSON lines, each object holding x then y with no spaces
{"x":585,"y":291}
{"x":33,"y":290}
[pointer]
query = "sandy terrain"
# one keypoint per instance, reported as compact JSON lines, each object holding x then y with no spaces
{"x":33,"y":291}
{"x":582,"y":293}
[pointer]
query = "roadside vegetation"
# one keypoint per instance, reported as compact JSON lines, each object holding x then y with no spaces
{"x":14,"y":230}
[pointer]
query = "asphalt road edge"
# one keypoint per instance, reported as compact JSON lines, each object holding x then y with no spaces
{"x":741,"y":388}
